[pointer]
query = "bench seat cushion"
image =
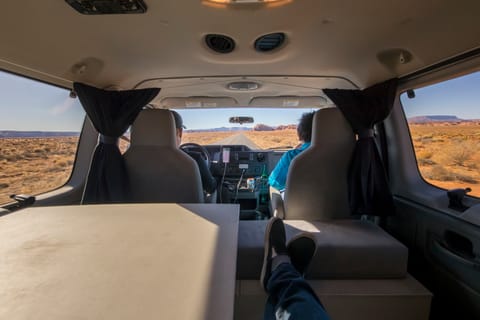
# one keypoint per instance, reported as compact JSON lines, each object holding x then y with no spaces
{"x":347,"y":249}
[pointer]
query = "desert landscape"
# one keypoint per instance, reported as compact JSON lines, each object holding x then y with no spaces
{"x":264,"y":139}
{"x":34,"y":165}
{"x":448,"y":156}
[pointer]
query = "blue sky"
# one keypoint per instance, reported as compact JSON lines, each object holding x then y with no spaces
{"x":29,"y":105}
{"x":459,"y":97}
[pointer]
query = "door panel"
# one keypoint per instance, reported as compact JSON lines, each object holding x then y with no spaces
{"x":444,"y":255}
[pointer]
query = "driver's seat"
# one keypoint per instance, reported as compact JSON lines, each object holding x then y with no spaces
{"x":157,"y":169}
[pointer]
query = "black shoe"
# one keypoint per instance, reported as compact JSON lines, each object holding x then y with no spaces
{"x":301,"y":249}
{"x":274,"y":240}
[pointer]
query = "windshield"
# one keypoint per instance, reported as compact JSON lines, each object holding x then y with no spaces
{"x":271,"y":129}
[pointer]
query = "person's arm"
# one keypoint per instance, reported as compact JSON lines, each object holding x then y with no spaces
{"x":278,"y":177}
{"x":209,"y":183}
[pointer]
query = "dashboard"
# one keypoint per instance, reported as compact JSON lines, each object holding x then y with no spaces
{"x":234,"y":166}
{"x":232,"y":160}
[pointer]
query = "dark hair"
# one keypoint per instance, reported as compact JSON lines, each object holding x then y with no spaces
{"x":304,"y":128}
{"x":178,"y":120}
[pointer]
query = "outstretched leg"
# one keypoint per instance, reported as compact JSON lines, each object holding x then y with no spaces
{"x":290,"y":296}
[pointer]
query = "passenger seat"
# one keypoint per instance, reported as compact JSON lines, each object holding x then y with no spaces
{"x":316,"y":187}
{"x":157,"y":169}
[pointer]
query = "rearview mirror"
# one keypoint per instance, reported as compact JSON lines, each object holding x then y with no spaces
{"x":240,"y":120}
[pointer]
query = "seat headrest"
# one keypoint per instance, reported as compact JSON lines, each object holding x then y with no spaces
{"x":330,"y":127}
{"x":154,"y":127}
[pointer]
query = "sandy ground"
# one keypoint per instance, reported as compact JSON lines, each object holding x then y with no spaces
{"x":448,"y":156}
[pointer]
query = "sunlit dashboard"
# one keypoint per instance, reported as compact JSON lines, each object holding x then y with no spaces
{"x":235,"y":166}
{"x":233,"y":160}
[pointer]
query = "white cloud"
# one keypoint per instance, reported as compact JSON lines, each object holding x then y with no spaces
{"x":63,"y":107}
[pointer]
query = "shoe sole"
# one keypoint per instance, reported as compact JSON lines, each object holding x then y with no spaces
{"x":305,"y":244}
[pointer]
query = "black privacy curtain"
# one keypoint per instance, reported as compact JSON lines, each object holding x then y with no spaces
{"x":111,"y":113}
{"x":369,"y":192}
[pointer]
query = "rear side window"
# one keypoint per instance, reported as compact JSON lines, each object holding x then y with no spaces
{"x":39,"y":132}
{"x":444,"y":122}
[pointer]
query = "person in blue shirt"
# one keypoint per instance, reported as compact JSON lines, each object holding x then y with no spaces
{"x":278,"y":177}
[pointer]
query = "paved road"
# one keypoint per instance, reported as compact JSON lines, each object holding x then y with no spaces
{"x":239,"y":139}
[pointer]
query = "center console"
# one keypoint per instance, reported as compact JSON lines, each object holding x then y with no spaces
{"x":250,"y":193}
{"x":243,"y":178}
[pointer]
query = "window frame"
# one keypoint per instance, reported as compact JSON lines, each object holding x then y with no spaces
{"x":404,"y":92}
{"x":74,"y":182}
{"x":405,"y":177}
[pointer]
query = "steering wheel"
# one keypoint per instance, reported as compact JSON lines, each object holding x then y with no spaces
{"x":187,"y":147}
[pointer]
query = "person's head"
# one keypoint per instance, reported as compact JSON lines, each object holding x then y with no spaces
{"x":178,"y":126}
{"x":304,"y":128}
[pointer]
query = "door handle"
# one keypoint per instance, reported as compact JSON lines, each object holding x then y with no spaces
{"x":466,"y":270}
{"x":459,"y":244}
{"x":445,"y":251}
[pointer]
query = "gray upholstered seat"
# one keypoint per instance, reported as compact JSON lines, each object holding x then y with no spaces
{"x":346,"y":249}
{"x":316,"y":200}
{"x":157,"y":169}
{"x":316,"y":187}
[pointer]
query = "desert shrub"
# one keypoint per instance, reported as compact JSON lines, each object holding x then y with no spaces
{"x":440,"y":173}
{"x":53,"y":169}
{"x":425,"y":154}
{"x":426,"y":162}
{"x":14,"y":157}
{"x":464,"y":178}
{"x":472,"y":165}
{"x":460,"y":154}
{"x":62,"y":163}
{"x":424,"y":157}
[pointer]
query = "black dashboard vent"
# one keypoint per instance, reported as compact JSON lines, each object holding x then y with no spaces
{"x":220,"y":43}
{"x":269,"y":42}
{"x":92,"y":7}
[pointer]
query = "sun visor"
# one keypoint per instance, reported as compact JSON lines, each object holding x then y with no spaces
{"x":289,"y":102}
{"x":198,"y":102}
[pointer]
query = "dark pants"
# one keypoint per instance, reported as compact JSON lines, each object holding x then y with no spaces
{"x":291,"y":297}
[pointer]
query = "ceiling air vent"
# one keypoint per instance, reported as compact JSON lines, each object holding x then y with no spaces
{"x":108,"y":6}
{"x":220,"y":43}
{"x":269,"y":42}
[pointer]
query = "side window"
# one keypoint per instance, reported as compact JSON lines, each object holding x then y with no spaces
{"x":444,"y":122}
{"x":39,"y":132}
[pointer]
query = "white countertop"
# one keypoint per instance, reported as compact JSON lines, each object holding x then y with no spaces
{"x":133,"y":261}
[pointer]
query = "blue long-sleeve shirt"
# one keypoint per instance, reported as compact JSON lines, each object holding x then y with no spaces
{"x":278,"y":177}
